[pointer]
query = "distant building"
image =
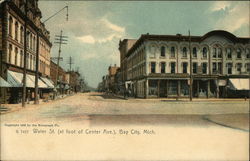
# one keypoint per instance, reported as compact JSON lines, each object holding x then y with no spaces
{"x":159,"y":65}
{"x":111,"y":77}
{"x":12,"y":16}
{"x":74,"y":81}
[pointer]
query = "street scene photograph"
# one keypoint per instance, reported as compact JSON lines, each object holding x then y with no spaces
{"x":124,"y":80}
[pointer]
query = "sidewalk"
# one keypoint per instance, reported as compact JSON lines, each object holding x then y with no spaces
{"x":6,"y":108}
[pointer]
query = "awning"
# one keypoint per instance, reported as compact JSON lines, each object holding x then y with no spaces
{"x":48,"y":82}
{"x":239,"y":84}
{"x":41,"y":84}
{"x":4,"y":83}
{"x":14,"y":79}
{"x":222,"y":82}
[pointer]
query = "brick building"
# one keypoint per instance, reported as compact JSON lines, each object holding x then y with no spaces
{"x":12,"y":27}
{"x":159,"y":65}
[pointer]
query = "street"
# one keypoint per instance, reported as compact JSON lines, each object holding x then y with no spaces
{"x":151,"y":129}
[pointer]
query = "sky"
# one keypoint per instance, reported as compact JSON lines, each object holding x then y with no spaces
{"x":94,"y":29}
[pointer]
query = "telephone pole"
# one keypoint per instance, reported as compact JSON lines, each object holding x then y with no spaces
{"x":60,"y":39}
{"x":25,"y":55}
{"x":70,"y":63}
{"x":191,"y":70}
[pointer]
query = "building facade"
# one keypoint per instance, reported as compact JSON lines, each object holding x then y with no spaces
{"x":159,"y":65}
{"x":12,"y":27}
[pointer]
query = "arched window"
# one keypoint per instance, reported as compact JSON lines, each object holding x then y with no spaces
{"x":172,"y":52}
{"x":16,"y":53}
{"x":28,"y":39}
{"x":21,"y":34}
{"x":10,"y":26}
{"x":219,"y":53}
{"x":214,"y":52}
{"x":16,"y":30}
{"x":238,"y":53}
{"x":184,"y":52}
{"x":31,"y":62}
{"x":21,"y":58}
{"x":10,"y":51}
{"x":34,"y":43}
{"x":247,"y":53}
{"x":229,"y":53}
{"x":163,"y":51}
{"x":31,"y":41}
{"x":204,"y":52}
{"x":194,"y":52}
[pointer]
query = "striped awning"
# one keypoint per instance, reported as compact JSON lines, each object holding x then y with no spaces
{"x":48,"y":82}
{"x":239,"y":84}
{"x":4,"y":83}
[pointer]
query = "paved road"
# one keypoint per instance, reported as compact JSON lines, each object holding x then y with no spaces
{"x":177,"y":130}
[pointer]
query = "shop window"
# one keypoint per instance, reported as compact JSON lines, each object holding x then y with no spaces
{"x":204,"y":68}
{"x":152,"y":67}
{"x":172,"y":66}
{"x":184,"y":67}
{"x":163,"y":66}
{"x":163,"y":50}
{"x":194,"y":52}
{"x":172,"y":54}
{"x":184,"y":52}
{"x":238,"y":53}
{"x":229,"y":53}
{"x":204,"y":52}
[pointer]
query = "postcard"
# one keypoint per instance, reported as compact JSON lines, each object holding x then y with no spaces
{"x":124,"y":80}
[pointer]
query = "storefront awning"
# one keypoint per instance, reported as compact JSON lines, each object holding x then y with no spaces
{"x":239,"y":84}
{"x":48,"y":82}
{"x":4,"y":83}
{"x":14,"y":79}
{"x":41,"y":84}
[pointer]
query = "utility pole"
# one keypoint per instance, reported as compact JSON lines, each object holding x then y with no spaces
{"x":25,"y":55}
{"x":70,"y":63}
{"x":38,"y":33}
{"x":60,"y":39}
{"x":191,"y":70}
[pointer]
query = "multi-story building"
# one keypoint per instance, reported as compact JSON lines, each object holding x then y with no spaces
{"x":111,"y":77}
{"x":159,"y":65}
{"x":12,"y":27}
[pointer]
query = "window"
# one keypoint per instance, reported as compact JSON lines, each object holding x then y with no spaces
{"x":214,"y":68}
{"x":204,"y":68}
{"x":248,"y":67}
{"x":204,"y":52}
{"x":163,"y":50}
{"x":194,"y":67}
{"x":16,"y":30}
{"x":21,"y":58}
{"x":16,"y":52}
{"x":31,"y":62}
{"x":172,"y":66}
{"x":27,"y":40}
{"x":184,"y":52}
{"x":172,"y":52}
{"x":184,"y":67}
{"x":21,"y":35}
{"x":238,"y":53}
{"x":10,"y":25}
{"x":31,"y":41}
{"x":229,"y":68}
{"x":152,"y":67}
{"x":219,"y":53}
{"x":229,"y":53}
{"x":34,"y":43}
{"x":214,"y":52}
{"x":238,"y":67}
{"x":194,"y":52}
{"x":152,"y":51}
{"x":163,"y":66}
{"x":220,"y":68}
{"x":10,"y":51}
{"x":247,"y":53}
